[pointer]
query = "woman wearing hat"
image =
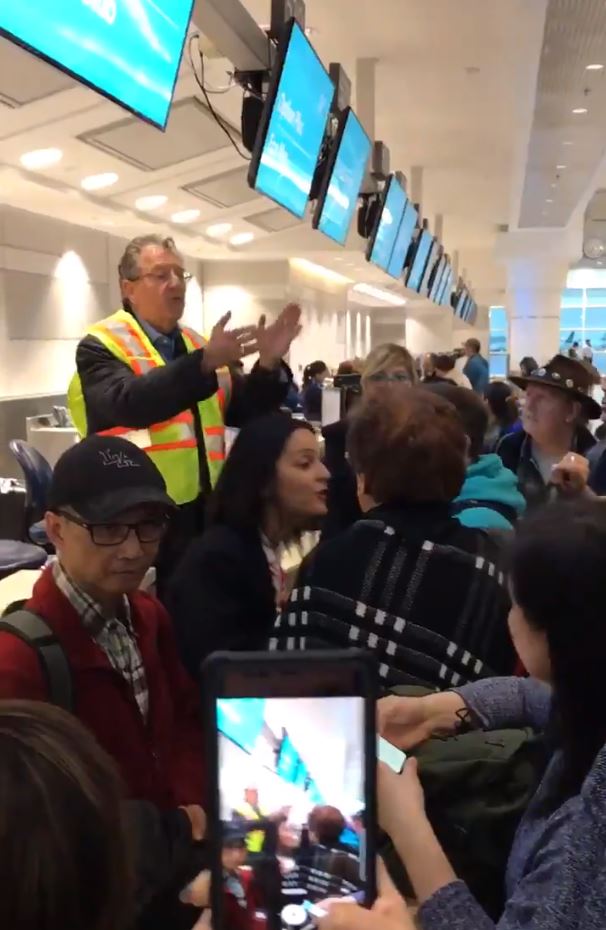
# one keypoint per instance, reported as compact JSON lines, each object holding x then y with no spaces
{"x":557,"y":405}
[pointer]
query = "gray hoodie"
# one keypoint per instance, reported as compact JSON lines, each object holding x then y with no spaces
{"x":556,"y":876}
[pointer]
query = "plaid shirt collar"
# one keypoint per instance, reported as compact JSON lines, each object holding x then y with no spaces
{"x":92,"y":615}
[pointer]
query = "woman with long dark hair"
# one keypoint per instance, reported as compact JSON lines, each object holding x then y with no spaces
{"x":226,"y":591}
{"x":556,"y":875}
{"x":503,"y":411}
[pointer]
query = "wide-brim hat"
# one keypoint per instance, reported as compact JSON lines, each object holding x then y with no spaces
{"x":569,"y":376}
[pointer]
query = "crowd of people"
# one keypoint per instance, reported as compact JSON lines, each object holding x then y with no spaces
{"x":463,"y":544}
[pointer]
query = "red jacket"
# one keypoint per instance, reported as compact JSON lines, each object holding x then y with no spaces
{"x":161,"y":760}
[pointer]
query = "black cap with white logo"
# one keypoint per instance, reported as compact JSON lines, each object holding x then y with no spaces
{"x":103,"y":476}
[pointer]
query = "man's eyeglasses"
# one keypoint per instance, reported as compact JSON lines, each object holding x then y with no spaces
{"x":114,"y":534}
{"x":383,"y":377}
{"x":166,"y":275}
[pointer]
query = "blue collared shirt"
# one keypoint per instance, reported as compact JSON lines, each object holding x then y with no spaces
{"x":165,"y":344}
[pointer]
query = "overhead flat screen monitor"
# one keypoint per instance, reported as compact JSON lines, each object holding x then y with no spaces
{"x":432,"y":260}
{"x":384,"y":237}
{"x":436,"y":279}
{"x":343,"y":179}
{"x":128,"y":50}
{"x":408,"y":225}
{"x":419,"y":259}
{"x":443,"y":297}
{"x":293,"y":124}
{"x":459,"y":302}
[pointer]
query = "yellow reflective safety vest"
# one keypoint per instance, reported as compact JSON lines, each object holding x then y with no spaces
{"x":255,"y":838}
{"x":172,"y":445}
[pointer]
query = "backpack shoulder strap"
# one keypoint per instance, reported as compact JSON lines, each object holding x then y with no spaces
{"x":32,"y":630}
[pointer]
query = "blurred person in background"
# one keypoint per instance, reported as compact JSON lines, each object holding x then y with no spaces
{"x":143,"y":375}
{"x":476,"y":368}
{"x":557,"y":404}
{"x":528,"y":365}
{"x":446,"y":368}
{"x":556,"y":874}
{"x":64,"y":844}
{"x":408,"y":582}
{"x":504,"y":413}
{"x":490,"y":498}
{"x":389,"y":371}
{"x":437,"y":368}
{"x":314,"y":377}
{"x":230,"y":583}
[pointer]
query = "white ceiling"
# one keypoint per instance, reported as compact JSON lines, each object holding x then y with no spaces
{"x":455,"y":94}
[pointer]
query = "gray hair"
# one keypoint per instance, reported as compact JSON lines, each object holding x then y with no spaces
{"x":128,"y":269}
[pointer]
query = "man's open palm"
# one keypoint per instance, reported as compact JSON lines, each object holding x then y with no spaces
{"x":275,"y":340}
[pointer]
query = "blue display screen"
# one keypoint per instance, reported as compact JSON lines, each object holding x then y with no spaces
{"x":288,"y":761}
{"x":345,"y":181}
{"x":403,"y":240}
{"x":415,"y":275}
{"x":436,"y":284}
{"x":284,"y":167}
{"x":429,"y":267}
{"x":461,"y":299}
{"x":446,"y":291}
{"x":241,"y":720}
{"x":130,"y":50}
{"x":443,"y":286}
{"x":389,"y":223}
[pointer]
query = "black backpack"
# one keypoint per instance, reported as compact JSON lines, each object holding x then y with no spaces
{"x":477,"y":787}
{"x":33,"y":630}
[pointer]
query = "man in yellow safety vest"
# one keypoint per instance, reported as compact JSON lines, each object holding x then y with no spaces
{"x":143,"y":376}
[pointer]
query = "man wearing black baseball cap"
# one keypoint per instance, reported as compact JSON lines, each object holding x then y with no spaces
{"x":108,"y":511}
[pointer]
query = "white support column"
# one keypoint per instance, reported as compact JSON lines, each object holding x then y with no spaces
{"x":428,"y":328}
{"x":537,"y":263}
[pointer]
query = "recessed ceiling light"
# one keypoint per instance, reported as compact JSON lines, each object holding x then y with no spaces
{"x":41,"y":158}
{"x":151,"y":202}
{"x":578,"y":111}
{"x":567,"y":142}
{"x":554,"y":185}
{"x":242,"y":238}
{"x":594,"y":68}
{"x":96,"y":182}
{"x":185,"y":216}
{"x":218,"y":230}
{"x":561,"y":167}
{"x":548,"y":200}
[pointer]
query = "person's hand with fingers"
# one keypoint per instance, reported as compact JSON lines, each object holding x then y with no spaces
{"x":571,"y":475}
{"x":389,"y":912}
{"x":275,"y":340}
{"x":409,"y":721}
{"x":403,"y":721}
{"x":197,"y":819}
{"x":226,"y":346}
{"x":401,"y":798}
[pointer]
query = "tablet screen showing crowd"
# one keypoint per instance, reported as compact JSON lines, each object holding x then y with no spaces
{"x":292,"y":791}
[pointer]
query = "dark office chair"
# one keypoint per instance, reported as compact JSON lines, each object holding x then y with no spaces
{"x":38,"y":475}
{"x":16,"y":556}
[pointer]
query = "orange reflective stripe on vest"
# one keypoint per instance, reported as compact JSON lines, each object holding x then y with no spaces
{"x":172,"y":444}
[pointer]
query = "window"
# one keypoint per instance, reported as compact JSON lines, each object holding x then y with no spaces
{"x":499,"y":343}
{"x":582,"y":318}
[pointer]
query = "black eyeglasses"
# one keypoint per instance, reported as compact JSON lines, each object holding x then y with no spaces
{"x":114,"y":534}
{"x":166,"y":275}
